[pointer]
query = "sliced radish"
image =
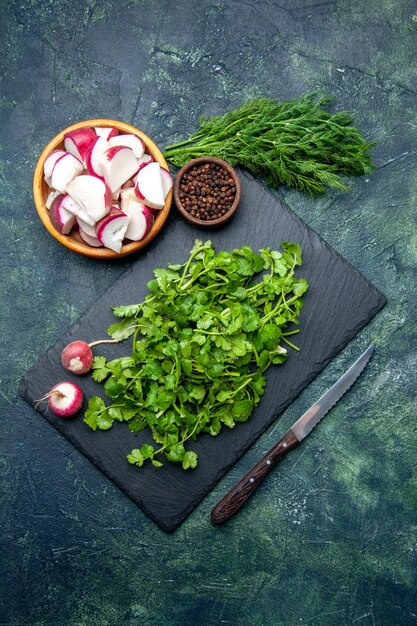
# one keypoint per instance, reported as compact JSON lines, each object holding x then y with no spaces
{"x":112,"y":228}
{"x":50,"y":161}
{"x":65,"y":169}
{"x":95,"y":156}
{"x":92,"y":194}
{"x":90,"y":239}
{"x":148,"y":186}
{"x":86,"y":227}
{"x":145,"y":160}
{"x":166,"y":181}
{"x":141,"y":216}
{"x":119,"y":164}
{"x":105,"y":132}
{"x":78,"y":142}
{"x":128,"y":184}
{"x":131,"y":141}
{"x":61,"y":218}
{"x":77,"y":210}
{"x":51,"y":197}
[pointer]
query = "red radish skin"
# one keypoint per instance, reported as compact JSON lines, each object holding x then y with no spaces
{"x":79,"y":141}
{"x":112,"y":228}
{"x":92,"y":195}
{"x":119,"y":164}
{"x":129,"y":141}
{"x":65,"y":399}
{"x":65,"y":169}
{"x":61,"y":219}
{"x":105,"y":132}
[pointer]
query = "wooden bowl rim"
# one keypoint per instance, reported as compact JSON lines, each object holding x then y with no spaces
{"x":193,"y":220}
{"x":67,"y":240}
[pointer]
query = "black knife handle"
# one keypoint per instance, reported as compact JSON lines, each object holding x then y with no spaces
{"x":240,"y":493}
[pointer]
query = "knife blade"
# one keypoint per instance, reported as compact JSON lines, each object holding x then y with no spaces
{"x":240,"y":493}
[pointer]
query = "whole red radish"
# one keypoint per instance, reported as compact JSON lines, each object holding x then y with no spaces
{"x":65,"y":399}
{"x":77,"y":356}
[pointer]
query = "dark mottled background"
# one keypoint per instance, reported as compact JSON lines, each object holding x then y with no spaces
{"x":331,"y":537}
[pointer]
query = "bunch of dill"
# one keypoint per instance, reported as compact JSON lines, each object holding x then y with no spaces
{"x":296,"y":143}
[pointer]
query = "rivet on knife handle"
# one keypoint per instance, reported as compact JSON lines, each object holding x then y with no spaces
{"x":239,"y":494}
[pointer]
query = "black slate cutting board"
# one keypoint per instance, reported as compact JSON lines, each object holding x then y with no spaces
{"x":340,"y":301}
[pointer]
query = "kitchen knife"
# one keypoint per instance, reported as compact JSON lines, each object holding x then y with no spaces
{"x":240,"y":493}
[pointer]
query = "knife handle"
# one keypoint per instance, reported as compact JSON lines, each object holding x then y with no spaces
{"x":240,"y":493}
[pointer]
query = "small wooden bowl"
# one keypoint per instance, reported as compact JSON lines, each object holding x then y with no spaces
{"x":73,"y":241}
{"x":220,"y":221}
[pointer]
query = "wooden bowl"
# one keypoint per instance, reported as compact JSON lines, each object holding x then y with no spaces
{"x":208,"y":224}
{"x":73,"y":241}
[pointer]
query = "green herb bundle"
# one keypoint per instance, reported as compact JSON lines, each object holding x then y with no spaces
{"x":296,"y":143}
{"x":203,"y":338}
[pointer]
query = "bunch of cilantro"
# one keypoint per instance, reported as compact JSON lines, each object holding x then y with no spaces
{"x":202,"y":340}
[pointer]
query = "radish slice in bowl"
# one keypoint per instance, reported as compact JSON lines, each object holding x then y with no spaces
{"x":65,"y":169}
{"x":61,"y":218}
{"x":130,"y":141}
{"x":78,"y":142}
{"x":91,"y":240}
{"x":141,"y":216}
{"x":95,"y":156}
{"x":105,"y":132}
{"x":119,"y":164}
{"x":112,"y":228}
{"x":93,"y":196}
{"x":148,"y":186}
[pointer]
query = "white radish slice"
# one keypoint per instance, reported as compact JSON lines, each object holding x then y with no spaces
{"x":119,"y":164}
{"x":112,"y":228}
{"x":51,"y":197}
{"x":141,"y":216}
{"x":131,"y":141}
{"x":50,"y":161}
{"x":94,"y":157}
{"x":73,"y":207}
{"x":90,"y":239}
{"x":105,"y":132}
{"x":148,"y":186}
{"x":61,"y":218}
{"x":86,"y":227}
{"x":65,"y":169}
{"x":78,"y":142}
{"x":93,"y":196}
{"x":145,"y":160}
{"x":166,"y":181}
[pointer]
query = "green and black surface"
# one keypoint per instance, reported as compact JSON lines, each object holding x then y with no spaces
{"x":330,"y":537}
